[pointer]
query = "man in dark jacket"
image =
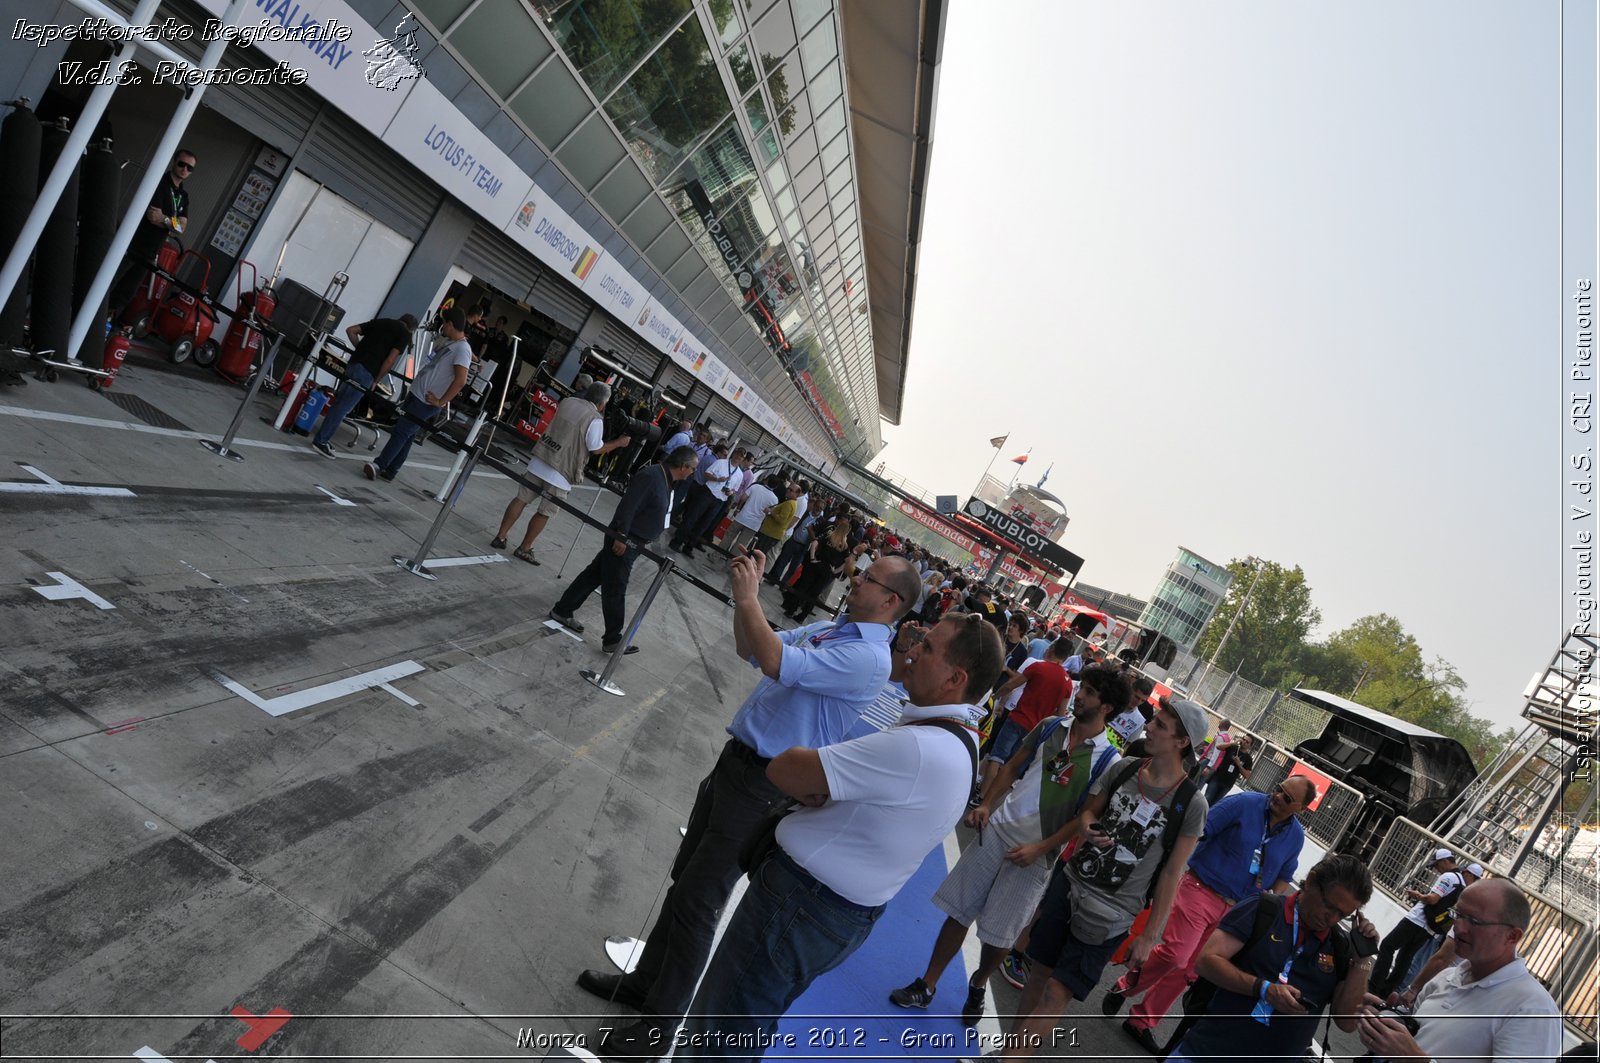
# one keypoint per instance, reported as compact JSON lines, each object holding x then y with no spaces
{"x":640,"y":519}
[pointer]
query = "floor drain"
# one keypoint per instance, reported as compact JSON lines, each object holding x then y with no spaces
{"x":145,"y":411}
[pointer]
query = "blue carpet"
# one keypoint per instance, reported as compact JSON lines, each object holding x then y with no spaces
{"x":847,"y":1012}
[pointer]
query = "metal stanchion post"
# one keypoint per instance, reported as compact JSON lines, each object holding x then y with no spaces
{"x":415,"y":565}
{"x":222,"y":449}
{"x":592,"y":502}
{"x":450,"y":479}
{"x":603,"y":679}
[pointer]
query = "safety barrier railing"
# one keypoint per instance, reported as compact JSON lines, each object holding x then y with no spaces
{"x":1559,"y":947}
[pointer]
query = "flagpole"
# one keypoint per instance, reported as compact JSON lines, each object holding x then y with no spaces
{"x":989,"y":466}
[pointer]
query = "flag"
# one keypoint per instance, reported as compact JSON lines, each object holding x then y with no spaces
{"x":1020,"y":459}
{"x":1046,"y":475}
{"x":999,"y":441}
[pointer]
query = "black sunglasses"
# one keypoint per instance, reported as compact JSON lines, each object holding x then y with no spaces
{"x":185,"y":166}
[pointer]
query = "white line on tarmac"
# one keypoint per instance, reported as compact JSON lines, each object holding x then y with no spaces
{"x":174,"y":433}
{"x":480,"y":559}
{"x":303,"y":699}
{"x":70,"y":589}
{"x":52,"y":486}
{"x":336,"y":499}
{"x":52,"y":481}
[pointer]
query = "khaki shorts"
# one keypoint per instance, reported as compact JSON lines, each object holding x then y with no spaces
{"x":547,"y":502}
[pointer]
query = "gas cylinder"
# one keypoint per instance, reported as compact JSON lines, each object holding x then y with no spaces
{"x":306,"y":420}
{"x":116,"y":350}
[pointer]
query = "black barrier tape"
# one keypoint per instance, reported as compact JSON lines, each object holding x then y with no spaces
{"x":538,"y":487}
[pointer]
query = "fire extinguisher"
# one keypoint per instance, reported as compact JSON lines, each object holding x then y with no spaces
{"x":116,"y":350}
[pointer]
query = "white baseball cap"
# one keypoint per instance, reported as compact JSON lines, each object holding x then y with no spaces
{"x":1443,"y":854}
{"x":1475,"y":870}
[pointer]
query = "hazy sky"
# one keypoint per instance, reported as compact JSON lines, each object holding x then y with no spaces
{"x":1261,"y":278}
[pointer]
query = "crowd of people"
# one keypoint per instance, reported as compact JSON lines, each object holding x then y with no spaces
{"x":1104,"y":824}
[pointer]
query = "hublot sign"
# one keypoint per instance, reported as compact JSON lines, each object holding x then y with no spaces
{"x":1025,"y":538}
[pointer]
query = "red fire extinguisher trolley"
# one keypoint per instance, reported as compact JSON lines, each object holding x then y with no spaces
{"x":242,"y":342}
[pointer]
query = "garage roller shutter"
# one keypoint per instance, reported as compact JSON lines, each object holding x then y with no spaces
{"x":562,"y":301}
{"x":356,"y":165}
{"x":492,"y":257}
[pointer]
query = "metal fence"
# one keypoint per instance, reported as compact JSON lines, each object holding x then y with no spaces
{"x":1559,"y":947}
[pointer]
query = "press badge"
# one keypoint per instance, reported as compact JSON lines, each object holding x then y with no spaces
{"x":1145,"y":812}
{"x":1255,"y":861}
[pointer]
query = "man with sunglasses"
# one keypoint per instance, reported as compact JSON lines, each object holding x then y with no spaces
{"x":167,"y":215}
{"x":1252,"y":843}
{"x":1488,"y":1005}
{"x":817,"y":680}
{"x":1272,"y":988}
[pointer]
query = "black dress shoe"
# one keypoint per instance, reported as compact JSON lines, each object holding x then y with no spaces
{"x":1112,"y":1002}
{"x":1142,"y":1037}
{"x":611,"y":987}
{"x":648,"y":1039}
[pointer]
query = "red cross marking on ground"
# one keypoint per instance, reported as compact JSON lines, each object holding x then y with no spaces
{"x":261,"y":1026}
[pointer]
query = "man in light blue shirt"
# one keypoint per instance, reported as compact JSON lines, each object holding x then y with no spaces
{"x":817,"y":680}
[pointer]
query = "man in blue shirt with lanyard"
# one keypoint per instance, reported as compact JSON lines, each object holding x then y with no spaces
{"x":1252,"y":843}
{"x":816,"y":681}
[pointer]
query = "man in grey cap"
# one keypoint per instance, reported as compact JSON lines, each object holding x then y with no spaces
{"x":1139,"y":825}
{"x":1428,"y":919}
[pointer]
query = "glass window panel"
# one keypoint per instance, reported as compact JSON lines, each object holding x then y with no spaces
{"x":755,"y":109}
{"x":744,"y":71}
{"x":725,"y":16}
{"x":753,"y":9}
{"x":590,"y":153}
{"x":810,"y":175}
{"x":768,"y":140}
{"x":718,"y":183}
{"x":778,"y":176}
{"x":808,"y":12}
{"x":843,"y":200}
{"x":773,"y":39}
{"x":836,"y":151}
{"x":825,"y":87}
{"x":441,"y":12}
{"x":812,"y":204}
{"x":786,"y":82}
{"x":553,"y":104}
{"x":792,"y":226}
{"x":796,"y":121}
{"x":785,"y":201}
{"x":802,"y":149}
{"x":503,"y":47}
{"x":830,"y":121}
{"x":604,"y":38}
{"x":845,"y":219}
{"x":671,"y":101}
{"x":838,"y":178}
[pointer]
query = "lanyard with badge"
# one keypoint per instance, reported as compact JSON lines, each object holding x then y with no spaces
{"x":1256,"y":857}
{"x":1262,"y":1012}
{"x":1147,"y":808}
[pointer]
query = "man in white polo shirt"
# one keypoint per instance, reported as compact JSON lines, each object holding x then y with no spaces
{"x":875,"y":807}
{"x":1488,"y":1006}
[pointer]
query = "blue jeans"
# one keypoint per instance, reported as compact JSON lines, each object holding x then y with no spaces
{"x":357,"y":382}
{"x":788,"y":931}
{"x":413,"y":415}
{"x":789,"y":558}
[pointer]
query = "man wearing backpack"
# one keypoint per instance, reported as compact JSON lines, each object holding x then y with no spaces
{"x":999,"y":879}
{"x":1429,"y":918}
{"x":875,"y":807}
{"x":1252,"y":843}
{"x":1278,"y":963}
{"x":1137,"y":830}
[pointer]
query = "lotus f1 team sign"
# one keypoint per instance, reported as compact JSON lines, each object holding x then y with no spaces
{"x":1027,"y":539}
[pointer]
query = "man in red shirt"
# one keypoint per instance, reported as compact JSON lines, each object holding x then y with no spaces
{"x":1045,"y":690}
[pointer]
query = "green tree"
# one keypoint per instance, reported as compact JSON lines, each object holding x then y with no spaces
{"x":1397,"y":678}
{"x":1272,"y":627}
